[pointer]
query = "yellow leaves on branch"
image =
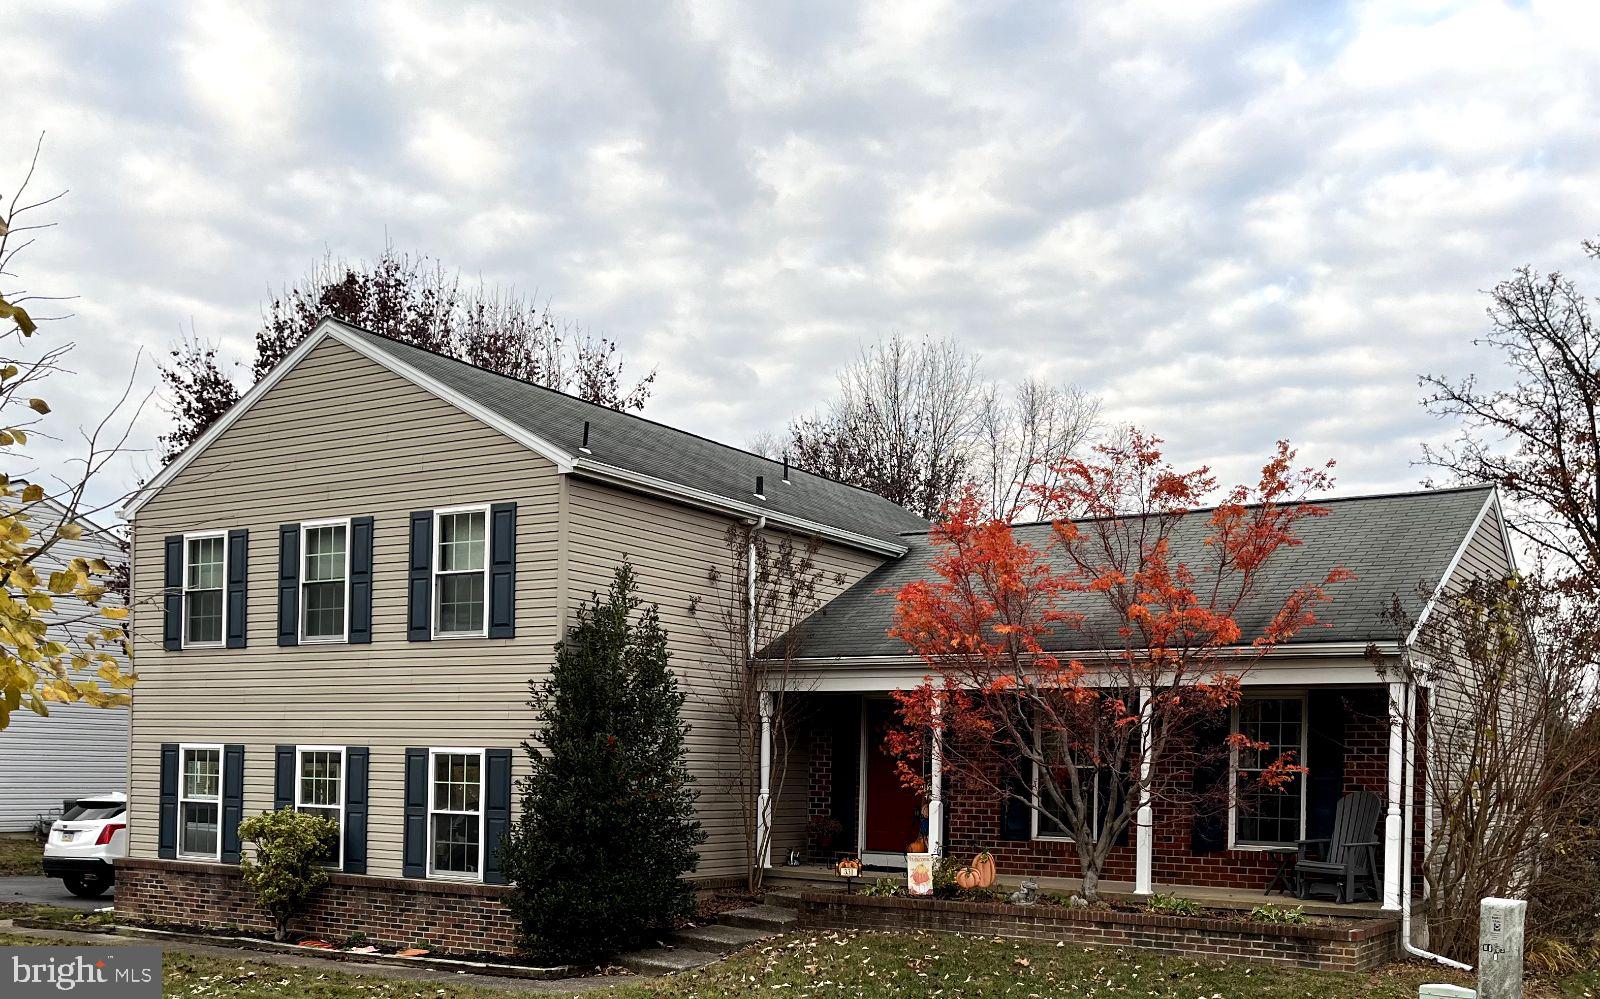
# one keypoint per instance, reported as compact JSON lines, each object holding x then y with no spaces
{"x":37,"y":669}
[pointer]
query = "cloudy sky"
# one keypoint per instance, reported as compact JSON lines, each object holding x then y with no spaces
{"x":1236,"y":221}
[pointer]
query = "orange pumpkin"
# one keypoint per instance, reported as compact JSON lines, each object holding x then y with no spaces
{"x":967,"y":878}
{"x":983,"y":868}
{"x":918,"y":845}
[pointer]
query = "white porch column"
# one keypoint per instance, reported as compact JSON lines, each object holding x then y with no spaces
{"x":936,"y":783}
{"x":1144,"y":831}
{"x":1392,"y":824}
{"x":764,"y":798}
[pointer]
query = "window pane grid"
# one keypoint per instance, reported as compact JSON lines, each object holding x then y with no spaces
{"x":455,"y":823}
{"x":200,"y":795}
{"x":321,"y":792}
{"x":203,"y":579}
{"x":1266,"y":814}
{"x":460,"y":560}
{"x":323,"y":581}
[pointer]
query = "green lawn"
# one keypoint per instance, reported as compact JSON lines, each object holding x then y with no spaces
{"x":20,"y":855}
{"x":870,"y":966}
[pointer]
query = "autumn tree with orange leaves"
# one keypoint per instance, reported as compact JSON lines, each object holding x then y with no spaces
{"x":1088,"y":672}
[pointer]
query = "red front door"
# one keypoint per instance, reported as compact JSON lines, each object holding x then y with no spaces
{"x":894,"y":813}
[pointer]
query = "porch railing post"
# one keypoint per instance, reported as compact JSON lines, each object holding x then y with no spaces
{"x":1144,"y":831}
{"x":764,"y":798}
{"x":936,"y":783}
{"x":1392,"y":823}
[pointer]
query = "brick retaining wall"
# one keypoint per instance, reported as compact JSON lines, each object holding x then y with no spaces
{"x":1357,"y":945}
{"x":396,"y":912}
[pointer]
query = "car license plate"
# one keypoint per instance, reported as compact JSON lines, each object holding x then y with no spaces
{"x":67,"y":835}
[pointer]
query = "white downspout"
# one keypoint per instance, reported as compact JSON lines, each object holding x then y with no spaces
{"x":765,"y":708}
{"x":1408,"y":834}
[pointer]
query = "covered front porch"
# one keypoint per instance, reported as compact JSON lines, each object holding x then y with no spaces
{"x":833,"y":791}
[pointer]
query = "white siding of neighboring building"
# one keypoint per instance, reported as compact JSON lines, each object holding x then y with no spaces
{"x":77,"y":750}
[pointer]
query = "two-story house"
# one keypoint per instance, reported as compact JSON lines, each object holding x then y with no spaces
{"x":344,"y":587}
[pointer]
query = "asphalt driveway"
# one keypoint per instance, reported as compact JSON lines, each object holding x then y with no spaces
{"x":49,"y":891}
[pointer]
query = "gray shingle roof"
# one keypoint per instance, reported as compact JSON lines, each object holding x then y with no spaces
{"x":635,"y":444}
{"x":1395,"y":544}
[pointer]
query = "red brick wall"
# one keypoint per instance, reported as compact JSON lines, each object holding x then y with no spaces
{"x":447,"y":918}
{"x":1358,"y":946}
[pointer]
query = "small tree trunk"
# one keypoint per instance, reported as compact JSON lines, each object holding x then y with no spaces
{"x":281,"y":933}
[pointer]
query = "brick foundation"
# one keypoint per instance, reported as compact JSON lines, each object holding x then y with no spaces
{"x":1346,"y":946}
{"x":445,"y":917}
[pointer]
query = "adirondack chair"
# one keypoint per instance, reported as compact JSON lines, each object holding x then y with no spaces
{"x":1348,"y":858}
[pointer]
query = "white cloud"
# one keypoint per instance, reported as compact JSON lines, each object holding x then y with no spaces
{"x":1238,"y":221}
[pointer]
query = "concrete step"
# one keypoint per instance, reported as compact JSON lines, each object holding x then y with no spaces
{"x":767,"y":918}
{"x":666,"y":960}
{"x":716,"y":937}
{"x":782,"y":899}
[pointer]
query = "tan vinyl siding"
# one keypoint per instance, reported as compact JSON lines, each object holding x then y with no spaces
{"x":673,"y":548}
{"x":1453,"y":726}
{"x":341,"y":436}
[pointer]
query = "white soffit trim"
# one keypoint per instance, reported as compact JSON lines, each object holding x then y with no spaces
{"x":333,"y":329}
{"x":1491,"y":503}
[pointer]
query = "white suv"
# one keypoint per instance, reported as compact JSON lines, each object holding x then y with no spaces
{"x":84,"y":843}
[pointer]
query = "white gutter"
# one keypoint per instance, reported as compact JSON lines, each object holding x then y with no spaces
{"x":1288,"y":650}
{"x":1407,"y":835}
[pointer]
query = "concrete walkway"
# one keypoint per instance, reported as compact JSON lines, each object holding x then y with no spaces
{"x":355,"y":970}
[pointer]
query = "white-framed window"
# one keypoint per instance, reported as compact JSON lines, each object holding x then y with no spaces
{"x":1261,"y":817}
{"x":319,"y":789}
{"x":1045,"y":826}
{"x":205,"y":580}
{"x":455,"y":814}
{"x":325,"y":581}
{"x":200,"y":802}
{"x":461,"y":572}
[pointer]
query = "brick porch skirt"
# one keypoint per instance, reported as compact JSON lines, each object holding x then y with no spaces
{"x":396,"y":912}
{"x":1358,"y":945}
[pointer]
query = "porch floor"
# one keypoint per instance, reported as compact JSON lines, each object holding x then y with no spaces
{"x":822,"y":877}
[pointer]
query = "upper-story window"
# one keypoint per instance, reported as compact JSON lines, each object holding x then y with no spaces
{"x":205,"y":565}
{"x":461,"y":571}
{"x":325,"y":581}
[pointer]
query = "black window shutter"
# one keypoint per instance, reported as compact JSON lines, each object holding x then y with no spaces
{"x":167,"y":830}
{"x":415,"y":856}
{"x":356,"y":759}
{"x":360,"y":579}
{"x":502,"y":570}
{"x":232,"y":801}
{"x":496,"y":812}
{"x":419,"y":583}
{"x":172,"y":597}
{"x":289,"y":584}
{"x":238,"y":586}
{"x":1208,"y":786}
{"x":283,"y":778}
